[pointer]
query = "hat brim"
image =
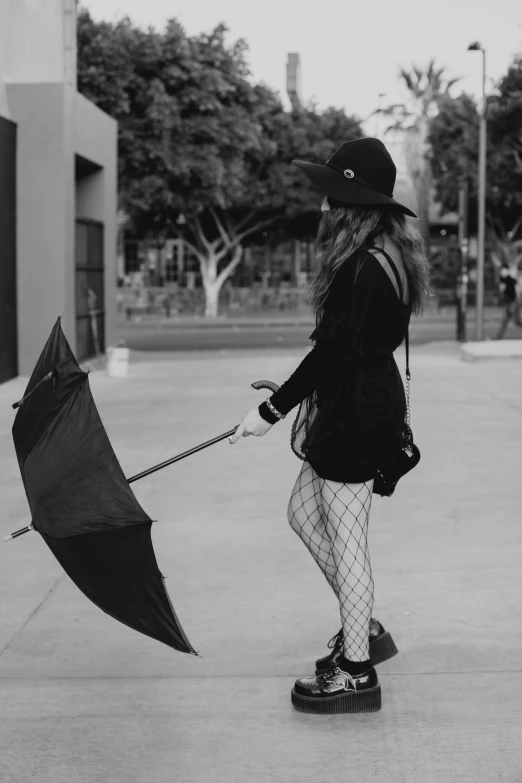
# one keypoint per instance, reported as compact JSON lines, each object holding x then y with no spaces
{"x":334,"y":184}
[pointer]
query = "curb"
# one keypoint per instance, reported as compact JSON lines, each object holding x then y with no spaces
{"x":491,"y":349}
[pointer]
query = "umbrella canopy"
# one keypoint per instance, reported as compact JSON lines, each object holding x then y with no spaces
{"x":82,"y":504}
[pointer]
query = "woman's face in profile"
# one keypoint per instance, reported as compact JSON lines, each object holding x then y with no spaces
{"x":325,"y":206}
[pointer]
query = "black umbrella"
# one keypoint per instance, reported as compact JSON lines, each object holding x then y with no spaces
{"x":81,"y":502}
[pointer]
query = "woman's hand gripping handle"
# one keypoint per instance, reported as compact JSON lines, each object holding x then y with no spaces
{"x":253,"y":423}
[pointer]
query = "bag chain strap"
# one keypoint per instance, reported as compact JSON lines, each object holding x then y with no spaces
{"x":408,"y":378}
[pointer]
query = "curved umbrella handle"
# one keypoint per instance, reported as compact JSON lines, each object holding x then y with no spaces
{"x":265,"y":385}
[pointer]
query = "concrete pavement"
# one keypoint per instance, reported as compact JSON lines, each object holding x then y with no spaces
{"x":85,"y":699}
{"x":491,"y":349}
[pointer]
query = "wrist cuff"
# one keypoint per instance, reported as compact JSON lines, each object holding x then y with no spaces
{"x":266,"y":414}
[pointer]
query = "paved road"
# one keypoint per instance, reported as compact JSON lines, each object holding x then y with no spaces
{"x":87,"y":700}
{"x":189,"y":338}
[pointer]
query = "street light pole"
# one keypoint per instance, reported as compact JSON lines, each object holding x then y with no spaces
{"x":479,"y":323}
{"x":462,"y":285}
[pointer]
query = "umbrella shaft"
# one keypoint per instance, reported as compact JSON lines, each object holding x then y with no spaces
{"x":146,"y":472}
{"x":182,"y":456}
{"x":257,"y":385}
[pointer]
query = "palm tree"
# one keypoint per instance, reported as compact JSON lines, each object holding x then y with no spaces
{"x":426,"y":88}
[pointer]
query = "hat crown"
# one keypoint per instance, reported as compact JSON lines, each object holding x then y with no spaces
{"x":370,"y":162}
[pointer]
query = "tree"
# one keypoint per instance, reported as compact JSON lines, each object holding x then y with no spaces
{"x":453,"y":140}
{"x":505,"y":118}
{"x":268,"y":192}
{"x":197,"y":137}
{"x":188,"y":131}
{"x":426,"y":89}
{"x":105,"y":65}
{"x":454,"y":158}
{"x":504,"y":196}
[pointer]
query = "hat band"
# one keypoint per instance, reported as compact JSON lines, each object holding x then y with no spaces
{"x":358,"y":179}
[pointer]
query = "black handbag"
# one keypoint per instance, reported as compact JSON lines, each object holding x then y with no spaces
{"x":387,"y":477}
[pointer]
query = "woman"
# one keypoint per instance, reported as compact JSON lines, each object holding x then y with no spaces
{"x":371,"y":273}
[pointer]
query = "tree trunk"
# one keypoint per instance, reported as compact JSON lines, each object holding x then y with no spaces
{"x":211,"y":253}
{"x":213,"y":282}
{"x":212,"y":290}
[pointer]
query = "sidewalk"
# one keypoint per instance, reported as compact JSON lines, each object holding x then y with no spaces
{"x":87,"y":700}
{"x":278,"y":318}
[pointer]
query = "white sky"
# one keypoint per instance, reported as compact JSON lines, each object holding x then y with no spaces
{"x":350,"y":51}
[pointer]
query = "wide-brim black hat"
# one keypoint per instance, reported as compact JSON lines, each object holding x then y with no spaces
{"x":360,"y":172}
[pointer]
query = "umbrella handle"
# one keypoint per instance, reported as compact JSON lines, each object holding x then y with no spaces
{"x":273,"y":387}
{"x":265,"y":385}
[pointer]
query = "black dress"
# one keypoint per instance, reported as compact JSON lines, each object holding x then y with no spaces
{"x":352,"y":401}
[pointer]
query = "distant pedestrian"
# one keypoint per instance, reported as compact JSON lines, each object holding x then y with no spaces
{"x":371,"y":273}
{"x":511,"y":296}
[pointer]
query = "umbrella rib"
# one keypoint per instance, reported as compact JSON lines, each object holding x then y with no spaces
{"x":45,"y":378}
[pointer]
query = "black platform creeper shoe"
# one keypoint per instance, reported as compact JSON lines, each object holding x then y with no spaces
{"x":382,"y":647}
{"x":336,"y":692}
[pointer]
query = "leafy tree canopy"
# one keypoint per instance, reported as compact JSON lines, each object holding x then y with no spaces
{"x":197,"y":136}
{"x":195,"y":132}
{"x":454,"y":141}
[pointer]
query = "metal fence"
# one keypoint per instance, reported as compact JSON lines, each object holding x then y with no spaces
{"x":174,"y":300}
{"x":173,"y":262}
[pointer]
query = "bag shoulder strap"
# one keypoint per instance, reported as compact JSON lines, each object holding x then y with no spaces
{"x":393,"y":266}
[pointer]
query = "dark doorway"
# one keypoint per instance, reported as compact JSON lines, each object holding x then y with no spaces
{"x":8,"y":326}
{"x":90,"y":289}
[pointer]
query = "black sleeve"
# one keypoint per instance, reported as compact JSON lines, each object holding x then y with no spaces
{"x":337,"y":335}
{"x":317,"y":366}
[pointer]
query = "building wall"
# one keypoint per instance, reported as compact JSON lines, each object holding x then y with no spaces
{"x":55,"y":126}
{"x":37,"y":44}
{"x":43,"y":215}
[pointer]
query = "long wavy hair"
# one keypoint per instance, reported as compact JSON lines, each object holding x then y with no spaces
{"x":344,"y":230}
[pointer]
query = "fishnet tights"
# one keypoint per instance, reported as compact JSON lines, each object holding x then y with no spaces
{"x":332,"y":520}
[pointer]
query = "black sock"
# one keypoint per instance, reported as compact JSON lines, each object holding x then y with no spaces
{"x":353,"y":667}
